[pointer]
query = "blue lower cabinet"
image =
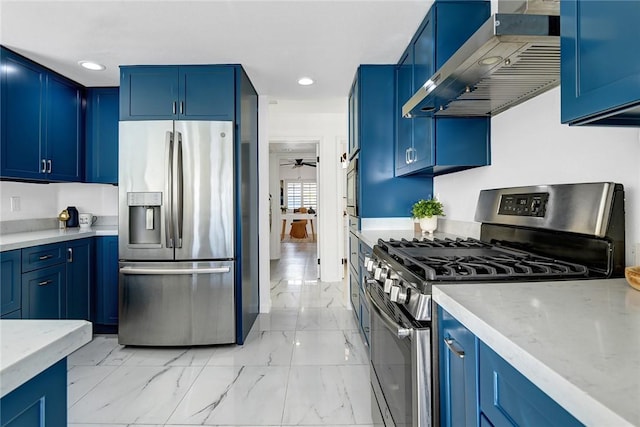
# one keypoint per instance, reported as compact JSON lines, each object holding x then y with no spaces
{"x":457,"y":365}
{"x":10,"y":283}
{"x":44,"y":293}
{"x":42,"y":401}
{"x":79,"y":278}
{"x":507,"y":398}
{"x":106,"y":280}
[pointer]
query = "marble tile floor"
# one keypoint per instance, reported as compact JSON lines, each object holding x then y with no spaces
{"x":304,"y":363}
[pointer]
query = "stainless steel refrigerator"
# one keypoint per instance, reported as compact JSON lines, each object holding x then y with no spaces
{"x":176,"y":233}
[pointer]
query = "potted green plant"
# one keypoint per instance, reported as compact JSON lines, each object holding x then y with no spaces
{"x":427,"y":212}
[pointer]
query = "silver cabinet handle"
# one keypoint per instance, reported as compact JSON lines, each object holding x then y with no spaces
{"x":449,"y":343}
{"x":406,"y":156}
{"x":43,"y":257}
{"x":173,"y":107}
{"x":45,"y":282}
{"x":174,"y":271}
{"x":49,"y":166}
{"x":70,"y":255}
{"x":387,"y":320}
{"x":169,"y":205}
{"x":179,"y":193}
{"x":181,"y":107}
{"x":44,"y":166}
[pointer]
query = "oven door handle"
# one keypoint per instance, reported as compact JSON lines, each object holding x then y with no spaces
{"x":387,"y":321}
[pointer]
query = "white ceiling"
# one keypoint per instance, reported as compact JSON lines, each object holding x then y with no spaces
{"x":276,"y":41}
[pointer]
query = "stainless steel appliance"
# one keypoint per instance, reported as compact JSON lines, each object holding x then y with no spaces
{"x":547,"y":232}
{"x":176,"y":233}
{"x":512,"y":57}
{"x":353,"y":188}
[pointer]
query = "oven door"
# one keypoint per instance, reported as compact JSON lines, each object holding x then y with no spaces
{"x":352,"y":188}
{"x":400,"y":362}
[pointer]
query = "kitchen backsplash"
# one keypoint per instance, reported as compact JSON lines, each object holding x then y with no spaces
{"x":36,"y":201}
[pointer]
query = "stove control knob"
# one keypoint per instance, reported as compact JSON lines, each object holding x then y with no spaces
{"x":370,"y":266}
{"x":388,"y":284}
{"x":399,"y":294}
{"x":367,"y":258}
{"x":381,"y":273}
{"x":403,"y":296}
{"x":384,"y":273}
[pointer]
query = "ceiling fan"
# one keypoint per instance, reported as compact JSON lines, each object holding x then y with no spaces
{"x":298,"y":163}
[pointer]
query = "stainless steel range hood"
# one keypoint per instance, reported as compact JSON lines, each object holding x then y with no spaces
{"x":512,"y":57}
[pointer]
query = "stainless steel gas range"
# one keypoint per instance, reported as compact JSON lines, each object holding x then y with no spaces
{"x":538,"y":233}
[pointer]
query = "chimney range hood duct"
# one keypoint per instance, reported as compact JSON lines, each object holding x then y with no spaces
{"x":511,"y":58}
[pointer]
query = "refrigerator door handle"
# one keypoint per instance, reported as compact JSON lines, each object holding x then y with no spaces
{"x":179,"y":193}
{"x":175,"y":271}
{"x":168,"y":208}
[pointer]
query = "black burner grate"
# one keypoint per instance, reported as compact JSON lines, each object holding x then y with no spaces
{"x":471,"y":259}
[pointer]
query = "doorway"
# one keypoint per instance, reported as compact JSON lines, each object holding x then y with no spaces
{"x":294,"y":198}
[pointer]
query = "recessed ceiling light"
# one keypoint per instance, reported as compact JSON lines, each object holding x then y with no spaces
{"x":90,"y":65}
{"x":305,"y":81}
{"x":490,"y":60}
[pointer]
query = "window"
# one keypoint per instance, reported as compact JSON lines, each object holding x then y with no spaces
{"x":302,"y":194}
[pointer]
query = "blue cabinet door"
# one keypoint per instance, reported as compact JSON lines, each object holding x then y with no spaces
{"x":64,"y":136}
{"x":425,"y":145}
{"x":600,"y":72}
{"x":44,"y":293}
{"x":458,"y":394}
{"x":382,"y":195}
{"x":207,"y":92}
{"x":404,"y":126}
{"x":507,"y":398}
{"x":106,"y":280}
{"x":79,"y":278}
{"x":22,"y":85}
{"x":190,"y":92}
{"x":10,"y":275}
{"x":41,"y":401}
{"x":148,"y":93}
{"x":102,"y":135}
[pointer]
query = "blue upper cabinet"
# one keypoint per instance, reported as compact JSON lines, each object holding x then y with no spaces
{"x":23,"y":84}
{"x":381,"y":194}
{"x":190,"y":92}
{"x":102,"y":135}
{"x":207,"y":92}
{"x":600,"y":74}
{"x":424,"y":145}
{"x":64,"y":130}
{"x":42,"y":126}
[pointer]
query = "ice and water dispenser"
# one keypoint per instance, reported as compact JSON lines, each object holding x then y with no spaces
{"x":144,"y":218}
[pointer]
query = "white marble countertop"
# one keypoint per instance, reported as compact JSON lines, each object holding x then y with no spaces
{"x":34,"y":238}
{"x":578,"y":341}
{"x":28,"y":347}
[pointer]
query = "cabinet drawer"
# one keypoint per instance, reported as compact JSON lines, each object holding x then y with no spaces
{"x":43,"y":256}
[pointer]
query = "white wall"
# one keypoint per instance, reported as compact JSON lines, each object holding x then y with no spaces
{"x":530,"y":146}
{"x":47,"y":200}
